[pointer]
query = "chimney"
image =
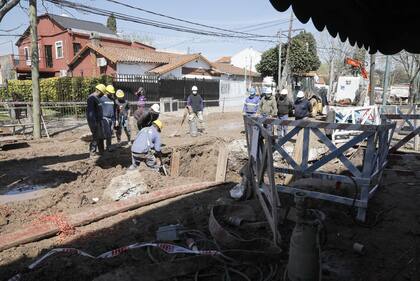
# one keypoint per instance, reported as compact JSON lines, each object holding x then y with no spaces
{"x":95,"y":39}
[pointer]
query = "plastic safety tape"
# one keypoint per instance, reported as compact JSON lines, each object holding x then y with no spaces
{"x":168,"y":248}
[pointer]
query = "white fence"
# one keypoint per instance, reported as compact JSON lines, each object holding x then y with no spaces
{"x":232,"y":93}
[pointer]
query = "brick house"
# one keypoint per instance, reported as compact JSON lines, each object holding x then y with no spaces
{"x":119,"y":61}
{"x":60,"y":39}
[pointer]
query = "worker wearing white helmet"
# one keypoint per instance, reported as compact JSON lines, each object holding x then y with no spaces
{"x":268,"y":106}
{"x":284,"y":107}
{"x":195,"y":105}
{"x":302,"y":106}
{"x":146,"y":118}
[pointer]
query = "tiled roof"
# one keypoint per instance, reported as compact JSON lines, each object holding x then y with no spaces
{"x":225,"y":59}
{"x":72,"y":23}
{"x":121,"y":54}
{"x":166,"y":61}
{"x":175,"y":61}
{"x":233,"y":70}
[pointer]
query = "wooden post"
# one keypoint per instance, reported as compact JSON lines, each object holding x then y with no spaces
{"x":222,"y":164}
{"x":35,"y":69}
{"x":175,"y":159}
{"x":371,"y":80}
{"x":297,"y":154}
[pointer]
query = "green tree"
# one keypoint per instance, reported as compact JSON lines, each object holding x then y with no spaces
{"x":111,"y":23}
{"x":303,"y":57}
{"x":303,"y":54}
{"x":269,"y":64}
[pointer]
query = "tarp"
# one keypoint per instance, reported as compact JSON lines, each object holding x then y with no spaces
{"x":385,"y":26}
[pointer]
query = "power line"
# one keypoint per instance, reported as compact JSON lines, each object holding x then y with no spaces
{"x":12,"y":29}
{"x":129,"y":18}
{"x":267,"y":23}
{"x":185,"y":21}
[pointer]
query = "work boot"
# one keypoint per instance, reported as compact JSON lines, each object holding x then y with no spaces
{"x":132,"y":167}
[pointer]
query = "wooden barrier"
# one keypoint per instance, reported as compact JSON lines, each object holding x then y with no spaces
{"x":262,"y":144}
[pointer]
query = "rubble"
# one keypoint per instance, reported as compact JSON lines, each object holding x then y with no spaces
{"x":125,"y":186}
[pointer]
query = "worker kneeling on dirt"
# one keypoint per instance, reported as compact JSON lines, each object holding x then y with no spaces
{"x":303,"y":107}
{"x":251,"y":103}
{"x":123,"y":111}
{"x":195,"y":105}
{"x":147,"y":147}
{"x":94,"y":118}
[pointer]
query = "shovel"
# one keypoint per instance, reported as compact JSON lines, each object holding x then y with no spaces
{"x":176,"y":134}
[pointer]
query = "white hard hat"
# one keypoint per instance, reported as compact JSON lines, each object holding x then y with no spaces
{"x":155,"y":107}
{"x":283,"y":92}
{"x":194,"y":88}
{"x":300,"y":95}
{"x":268,"y":90}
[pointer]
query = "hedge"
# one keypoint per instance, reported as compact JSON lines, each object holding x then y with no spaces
{"x":55,"y":89}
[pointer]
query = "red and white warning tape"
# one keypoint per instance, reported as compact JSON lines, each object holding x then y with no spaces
{"x":168,"y":248}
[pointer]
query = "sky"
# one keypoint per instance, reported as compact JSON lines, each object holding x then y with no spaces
{"x":228,"y":14}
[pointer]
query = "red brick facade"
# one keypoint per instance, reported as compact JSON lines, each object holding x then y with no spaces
{"x":58,"y":46}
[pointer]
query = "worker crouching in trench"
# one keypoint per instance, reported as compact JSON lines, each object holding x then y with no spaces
{"x":147,"y":147}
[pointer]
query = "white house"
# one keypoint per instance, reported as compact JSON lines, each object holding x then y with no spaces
{"x":247,"y":58}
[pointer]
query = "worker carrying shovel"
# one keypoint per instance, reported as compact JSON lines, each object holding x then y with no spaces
{"x":147,"y":147}
{"x":195,"y":105}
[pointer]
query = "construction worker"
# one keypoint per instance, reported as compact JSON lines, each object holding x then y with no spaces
{"x":251,"y":103}
{"x":123,"y":111}
{"x":146,"y":118}
{"x":109,"y":115}
{"x":94,"y":118}
{"x":141,"y":102}
{"x":147,"y":147}
{"x":268,"y":107}
{"x":303,"y":107}
{"x":284,"y":106}
{"x":195,"y":105}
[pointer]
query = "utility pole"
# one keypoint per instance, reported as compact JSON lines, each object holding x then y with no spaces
{"x":286,"y":74}
{"x":386,"y":80}
{"x":331,"y":78}
{"x":35,"y":69}
{"x":279,"y":69}
{"x":371,"y":80}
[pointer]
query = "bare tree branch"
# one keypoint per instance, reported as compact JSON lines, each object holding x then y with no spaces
{"x":411,"y":65}
{"x":6,"y":6}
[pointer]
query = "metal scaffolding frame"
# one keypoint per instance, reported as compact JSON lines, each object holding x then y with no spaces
{"x":262,"y":144}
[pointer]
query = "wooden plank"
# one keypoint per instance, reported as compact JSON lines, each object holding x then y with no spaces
{"x":405,"y":140}
{"x":346,"y":162}
{"x":33,"y":232}
{"x":287,"y":157}
{"x":305,"y":154}
{"x":175,"y":161}
{"x":338,"y":152}
{"x":297,"y":155}
{"x":222,"y":164}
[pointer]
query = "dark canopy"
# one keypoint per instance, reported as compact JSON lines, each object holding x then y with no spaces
{"x":387,"y":26}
